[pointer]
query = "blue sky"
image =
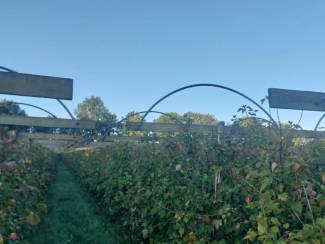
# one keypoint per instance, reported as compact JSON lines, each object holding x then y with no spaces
{"x":130,"y":53}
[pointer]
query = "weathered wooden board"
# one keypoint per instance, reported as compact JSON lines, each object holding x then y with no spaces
{"x":159,"y":127}
{"x":304,"y":133}
{"x":50,"y":137}
{"x":233,"y":130}
{"x":54,"y":146}
{"x":46,"y":122}
{"x":35,"y":85}
{"x":297,"y":100}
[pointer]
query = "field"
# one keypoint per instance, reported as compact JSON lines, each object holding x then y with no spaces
{"x":185,"y":189}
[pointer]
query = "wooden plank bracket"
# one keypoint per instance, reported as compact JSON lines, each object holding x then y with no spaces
{"x":13,"y":83}
{"x":46,"y":122}
{"x":296,"y":100}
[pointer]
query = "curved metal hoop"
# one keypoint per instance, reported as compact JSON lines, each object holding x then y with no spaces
{"x":37,"y":107}
{"x":66,"y":109}
{"x":153,"y":111}
{"x":319,"y":121}
{"x":6,"y":69}
{"x":208,"y":85}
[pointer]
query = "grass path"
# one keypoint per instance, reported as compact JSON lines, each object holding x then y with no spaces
{"x":71,"y":217}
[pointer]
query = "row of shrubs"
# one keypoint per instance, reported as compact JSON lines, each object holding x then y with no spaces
{"x":25,"y":174}
{"x":191,"y":190}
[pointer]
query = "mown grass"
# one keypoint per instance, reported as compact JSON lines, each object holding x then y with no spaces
{"x":71,"y":217}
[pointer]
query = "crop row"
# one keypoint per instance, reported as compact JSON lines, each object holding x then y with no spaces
{"x":192,"y":190}
{"x":24,"y":178}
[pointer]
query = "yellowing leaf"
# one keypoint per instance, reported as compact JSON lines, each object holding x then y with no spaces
{"x":251,"y":235}
{"x":323,"y":178}
{"x":178,"y":167}
{"x":33,"y":219}
{"x":274,"y":165}
{"x":217,"y":223}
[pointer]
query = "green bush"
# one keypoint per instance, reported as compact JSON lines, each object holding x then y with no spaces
{"x":192,"y":190}
{"x":24,"y":178}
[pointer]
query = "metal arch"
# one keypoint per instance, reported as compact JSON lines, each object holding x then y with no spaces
{"x":208,"y":85}
{"x":153,"y":111}
{"x":66,"y":109}
{"x":319,"y":121}
{"x":6,"y":69}
{"x":37,"y":107}
{"x":61,"y":103}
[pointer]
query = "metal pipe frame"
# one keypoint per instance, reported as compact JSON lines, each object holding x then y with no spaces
{"x":207,"y":85}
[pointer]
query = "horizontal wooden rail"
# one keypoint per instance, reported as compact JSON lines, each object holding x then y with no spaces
{"x":46,"y":122}
{"x":50,"y":137}
{"x":13,"y":83}
{"x":159,"y":127}
{"x":233,"y":130}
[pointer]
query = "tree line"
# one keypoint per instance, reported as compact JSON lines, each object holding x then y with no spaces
{"x":93,"y":108}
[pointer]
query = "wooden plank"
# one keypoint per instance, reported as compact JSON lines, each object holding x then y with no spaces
{"x":233,"y":130}
{"x":50,"y":137}
{"x":159,"y":127}
{"x":46,"y":122}
{"x":35,"y":85}
{"x":54,"y":146}
{"x":304,"y":133}
{"x":297,"y":100}
{"x":125,"y":138}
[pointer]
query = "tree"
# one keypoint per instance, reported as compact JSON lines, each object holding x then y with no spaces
{"x":133,"y":116}
{"x":93,"y":108}
{"x":171,"y":118}
{"x":10,"y":108}
{"x":193,"y":117}
{"x":202,"y":119}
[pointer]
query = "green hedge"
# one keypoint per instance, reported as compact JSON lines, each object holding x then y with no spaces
{"x":24,"y":179}
{"x":191,"y":190}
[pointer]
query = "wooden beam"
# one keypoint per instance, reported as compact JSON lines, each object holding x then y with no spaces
{"x":35,"y":85}
{"x":304,"y":133}
{"x":54,"y":146}
{"x":46,"y":122}
{"x":159,"y":127}
{"x":50,"y":137}
{"x":297,"y":100}
{"x":233,"y":130}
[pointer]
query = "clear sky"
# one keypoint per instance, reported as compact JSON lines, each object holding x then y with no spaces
{"x":132,"y":52}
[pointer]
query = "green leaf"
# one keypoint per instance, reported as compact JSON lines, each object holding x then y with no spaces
{"x":265,"y":183}
{"x":296,"y":206}
{"x":321,"y":222}
{"x":261,"y":225}
{"x":181,"y":231}
{"x":283,"y":197}
{"x":217,"y":223}
{"x":145,"y":233}
{"x":275,"y":230}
